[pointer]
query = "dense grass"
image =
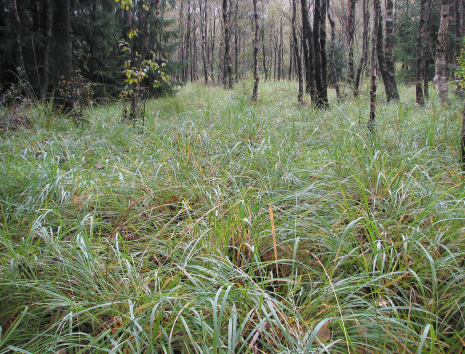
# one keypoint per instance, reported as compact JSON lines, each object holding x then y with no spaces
{"x":120,"y":239}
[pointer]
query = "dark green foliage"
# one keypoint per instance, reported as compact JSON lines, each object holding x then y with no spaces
{"x":340,"y":53}
{"x":96,"y":32}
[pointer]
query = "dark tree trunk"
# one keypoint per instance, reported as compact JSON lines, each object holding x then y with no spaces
{"x":280,"y":49}
{"x":319,"y":42}
{"x":35,"y":9}
{"x":421,"y":46}
{"x":324,"y":57}
{"x":18,"y":47}
{"x":227,"y":72}
{"x":462,"y":140}
{"x":265,"y":69}
{"x":291,"y":60}
{"x":458,"y":42}
{"x":317,"y":51}
{"x":237,"y":48}
{"x":351,"y":33}
{"x":441,"y":53}
{"x":309,"y":58}
{"x":390,"y":67}
{"x":333,"y":57}
{"x":47,"y":8}
{"x":363,"y":59}
{"x":194,"y":72}
{"x":427,"y":52}
{"x":2,"y":26}
{"x":374,"y":52}
{"x":212,"y":56}
{"x":380,"y":49}
{"x":255,"y":52}
{"x":296,"y":52}
{"x":146,"y":30}
{"x":62,"y":50}
{"x":236,"y":56}
{"x":203,"y":30}
{"x":182,"y":41}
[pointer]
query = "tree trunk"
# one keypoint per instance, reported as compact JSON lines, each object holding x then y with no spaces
{"x":363,"y":59}
{"x":462,"y":140}
{"x":441,"y":53}
{"x":194,"y":72}
{"x":309,"y":58}
{"x":380,"y":50}
{"x":255,"y":53}
{"x":458,"y":42}
{"x":390,"y":66}
{"x":291,"y":60}
{"x":319,"y":41}
{"x":421,"y":46}
{"x":296,"y":52}
{"x":237,"y":45}
{"x":332,"y":51}
{"x":280,"y":49}
{"x":203,"y":30}
{"x":227,"y":72}
{"x":47,"y":8}
{"x":62,"y":46}
{"x":427,"y":51}
{"x":212,"y":56}
{"x":351,"y":33}
{"x":265,"y":69}
{"x":2,"y":26}
{"x":324,"y":57}
{"x":18,"y":47}
{"x":146,"y":30}
{"x":374,"y":74}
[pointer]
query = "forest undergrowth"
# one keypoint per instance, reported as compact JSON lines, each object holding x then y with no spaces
{"x":226,"y":227}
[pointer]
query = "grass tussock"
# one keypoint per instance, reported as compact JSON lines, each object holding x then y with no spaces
{"x":120,"y":239}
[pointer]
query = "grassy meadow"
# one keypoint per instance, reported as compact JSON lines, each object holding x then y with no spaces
{"x":222,"y":227}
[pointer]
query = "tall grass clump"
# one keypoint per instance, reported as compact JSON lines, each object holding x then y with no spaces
{"x":226,"y":227}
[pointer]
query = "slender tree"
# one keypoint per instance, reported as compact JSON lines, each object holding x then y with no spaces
{"x":227,"y":72}
{"x":363,"y":58}
{"x":18,"y":47}
{"x":307,"y":39}
{"x":255,"y":52}
{"x":458,"y":42}
{"x":296,"y":52}
{"x":62,"y":51}
{"x":388,"y":50}
{"x":374,"y":55}
{"x":203,"y":30}
{"x":2,"y":28}
{"x":441,"y":53}
{"x":47,"y":8}
{"x":427,"y":50}
{"x":462,"y":140}
{"x":390,"y":92}
{"x":350,"y":39}
{"x":421,"y":46}
{"x":265,"y":68}
{"x":332,"y":52}
{"x":324,"y":56}
{"x":319,"y":46}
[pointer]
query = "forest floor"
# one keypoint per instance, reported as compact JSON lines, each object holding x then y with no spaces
{"x":223,"y":227}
